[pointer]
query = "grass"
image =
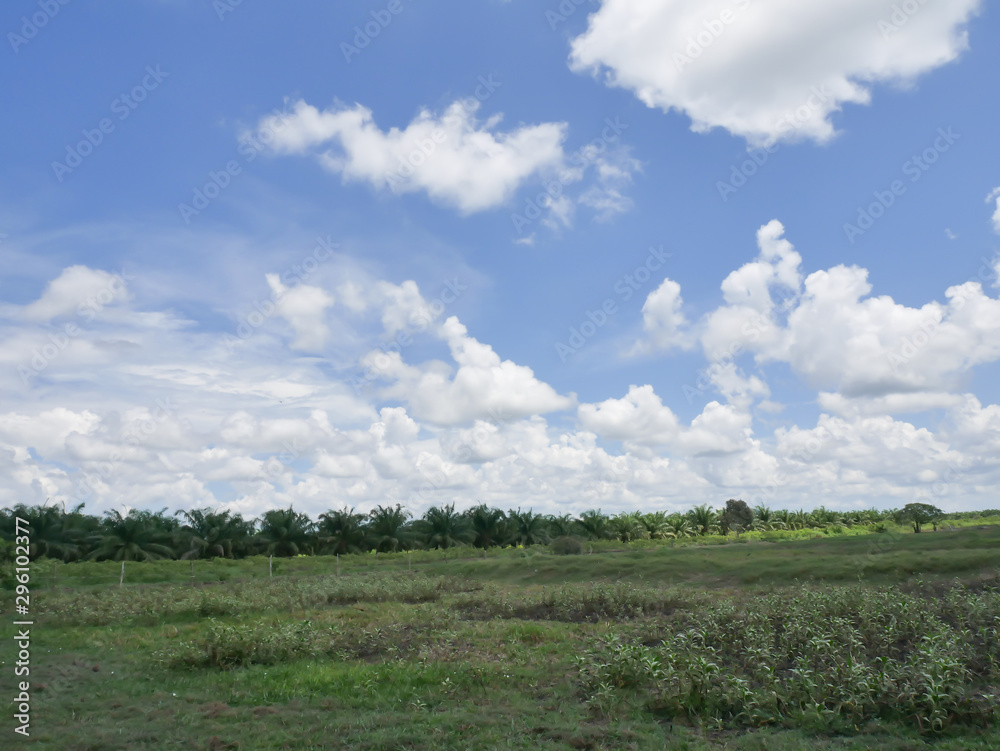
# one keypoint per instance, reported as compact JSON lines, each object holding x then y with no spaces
{"x":846,"y":642}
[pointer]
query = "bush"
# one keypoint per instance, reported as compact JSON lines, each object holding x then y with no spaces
{"x":566,"y":546}
{"x":830,"y":658}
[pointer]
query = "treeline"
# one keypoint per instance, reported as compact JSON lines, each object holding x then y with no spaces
{"x":72,"y":535}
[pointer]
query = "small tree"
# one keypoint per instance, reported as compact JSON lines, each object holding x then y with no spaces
{"x":919,"y":514}
{"x":737,"y":517}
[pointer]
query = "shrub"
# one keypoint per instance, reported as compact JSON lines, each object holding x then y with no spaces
{"x":830,"y":658}
{"x":566,"y":546}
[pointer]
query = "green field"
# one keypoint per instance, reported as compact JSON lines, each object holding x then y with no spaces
{"x":849,"y":642}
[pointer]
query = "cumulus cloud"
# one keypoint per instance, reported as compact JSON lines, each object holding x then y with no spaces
{"x":304,"y":308}
{"x":639,"y":417}
{"x":838,"y":337}
{"x":482,"y":387}
{"x":770,"y":69}
{"x":663,"y":319}
{"x":179,"y":418}
{"x":78,"y":290}
{"x":872,"y":346}
{"x":454,"y":158}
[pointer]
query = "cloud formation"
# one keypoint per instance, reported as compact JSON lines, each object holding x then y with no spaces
{"x":172,"y":413}
{"x":454,"y":158}
{"x":767,"y":70}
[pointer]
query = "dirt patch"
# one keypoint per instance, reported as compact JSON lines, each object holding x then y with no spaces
{"x":216,"y":709}
{"x":215,"y":743}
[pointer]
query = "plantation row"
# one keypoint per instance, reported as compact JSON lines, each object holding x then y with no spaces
{"x":59,"y":534}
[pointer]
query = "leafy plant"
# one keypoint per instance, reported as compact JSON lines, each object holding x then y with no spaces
{"x":566,"y":546}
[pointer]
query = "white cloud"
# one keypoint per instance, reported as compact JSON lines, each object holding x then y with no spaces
{"x":304,"y":307}
{"x":151,"y":415}
{"x":77,"y":291}
{"x":777,"y":265}
{"x":995,"y":195}
{"x":837,"y":337}
{"x":768,"y":69}
{"x":663,"y":319}
{"x":453,"y":158}
{"x":639,"y":417}
{"x":890,"y":404}
{"x":614,"y":174}
{"x":871,"y":346}
{"x":47,"y":431}
{"x":483,"y":386}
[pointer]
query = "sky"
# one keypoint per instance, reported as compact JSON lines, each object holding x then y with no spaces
{"x":617,"y":254}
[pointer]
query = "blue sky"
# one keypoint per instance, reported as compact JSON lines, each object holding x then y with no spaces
{"x":474,"y":183}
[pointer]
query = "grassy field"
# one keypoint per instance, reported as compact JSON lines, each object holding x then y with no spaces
{"x":847,"y":642}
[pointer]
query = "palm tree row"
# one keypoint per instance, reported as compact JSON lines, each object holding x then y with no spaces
{"x":203,"y":533}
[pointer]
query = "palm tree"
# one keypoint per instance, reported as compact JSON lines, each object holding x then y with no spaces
{"x":488,"y":524}
{"x":704,"y":519}
{"x":562,"y":526}
{"x":134,"y":536}
{"x":388,"y":530}
{"x":763,"y":517}
{"x":341,"y":532}
{"x":285,"y":532}
{"x":594,"y":524}
{"x":53,"y":533}
{"x":823,"y":517}
{"x":678,"y":525}
{"x":781,"y":519}
{"x":212,"y":534}
{"x":799,"y":519}
{"x":527,"y":528}
{"x":628,"y":527}
{"x":657,"y":525}
{"x":443,"y":528}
